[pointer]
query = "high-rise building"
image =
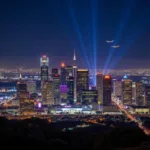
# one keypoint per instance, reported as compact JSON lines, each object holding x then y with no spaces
{"x":90,"y":97}
{"x":82,"y":82}
{"x":56,"y":89}
{"x":70,"y":94}
{"x":107,"y":89}
{"x":31,"y":87}
{"x":117,"y":88}
{"x":99,"y":87}
{"x":26,"y":105}
{"x":47,"y":93}
{"x":63,"y":74}
{"x":75,"y":77}
{"x":69,"y":71}
{"x":133,"y":92}
{"x":63,"y":93}
{"x":44,"y":63}
{"x":139,"y":94}
{"x":147,"y":95}
{"x":54,"y":72}
{"x":127,"y":91}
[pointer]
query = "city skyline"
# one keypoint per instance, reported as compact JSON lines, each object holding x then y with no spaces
{"x":55,"y":29}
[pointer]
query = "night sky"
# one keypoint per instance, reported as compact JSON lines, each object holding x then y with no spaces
{"x":31,"y":28}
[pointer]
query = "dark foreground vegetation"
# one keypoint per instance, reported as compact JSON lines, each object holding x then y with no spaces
{"x":39,"y":134}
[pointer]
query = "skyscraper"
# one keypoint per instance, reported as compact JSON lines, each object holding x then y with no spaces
{"x":31,"y":87}
{"x":44,"y":63}
{"x":127,"y":91}
{"x":47,"y":93}
{"x":69,"y":71}
{"x":63,"y":74}
{"x":107,"y":89}
{"x":82,"y":82}
{"x":139,"y":94}
{"x":133,"y":92}
{"x":56,"y":89}
{"x":70,"y":94}
{"x":25,"y":104}
{"x":117,"y":88}
{"x":147,"y":95}
{"x":99,"y":87}
{"x":54,"y":72}
{"x":75,"y":77}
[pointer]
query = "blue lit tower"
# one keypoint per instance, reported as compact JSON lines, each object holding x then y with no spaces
{"x":75,"y":77}
{"x":44,"y":63}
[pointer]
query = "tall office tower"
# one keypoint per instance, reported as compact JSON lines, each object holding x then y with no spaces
{"x":31,"y":87}
{"x":117,"y":88}
{"x":56,"y":89}
{"x":107,"y":89}
{"x":54,"y":72}
{"x":44,"y":63}
{"x":47,"y":93}
{"x":26,"y":105}
{"x":74,"y":71}
{"x":139,"y":94}
{"x":69,"y":71}
{"x":127,"y":91}
{"x":82,"y":82}
{"x":90,"y":97}
{"x":99,"y":87}
{"x":147,"y":95}
{"x":70,"y":94}
{"x":63,"y":94}
{"x":63,"y":74}
{"x":133,"y":92}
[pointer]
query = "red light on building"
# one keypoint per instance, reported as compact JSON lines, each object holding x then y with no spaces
{"x":56,"y":75}
{"x":107,"y":77}
{"x":62,"y":65}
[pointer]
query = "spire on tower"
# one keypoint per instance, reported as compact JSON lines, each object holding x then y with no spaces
{"x":74,"y":56}
{"x":20,"y":77}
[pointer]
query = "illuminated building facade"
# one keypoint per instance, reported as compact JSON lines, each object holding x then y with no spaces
{"x":127,"y":91}
{"x":99,"y":87}
{"x":74,"y":71}
{"x":90,"y":97}
{"x":139,"y":94}
{"x":56,"y":88}
{"x":63,"y":74}
{"x":25,"y":104}
{"x":54,"y":72}
{"x":63,"y":93}
{"x":107,"y":89}
{"x":133,"y":92}
{"x":147,"y":95}
{"x":44,"y":63}
{"x":31,"y":87}
{"x":117,"y":88}
{"x":82,"y":82}
{"x":47,"y":93}
{"x":69,"y":71}
{"x":70,"y":94}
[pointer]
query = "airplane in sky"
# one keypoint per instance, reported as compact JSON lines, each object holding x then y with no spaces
{"x":109,"y":41}
{"x":115,"y":46}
